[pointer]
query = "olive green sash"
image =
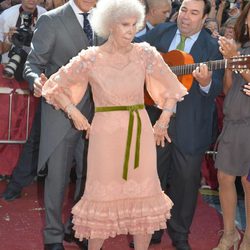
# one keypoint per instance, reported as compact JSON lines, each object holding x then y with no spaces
{"x":131,"y":109}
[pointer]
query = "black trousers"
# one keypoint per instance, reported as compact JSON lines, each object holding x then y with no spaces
{"x":183,"y":189}
{"x":179,"y":175}
{"x":181,"y":182}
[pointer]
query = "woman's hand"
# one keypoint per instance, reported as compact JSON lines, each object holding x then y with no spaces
{"x":161,"y":126}
{"x":161,"y":133}
{"x":80,"y":121}
{"x":228,"y":47}
{"x":246,"y":89}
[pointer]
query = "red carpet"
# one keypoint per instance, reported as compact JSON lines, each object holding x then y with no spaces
{"x":21,"y":224}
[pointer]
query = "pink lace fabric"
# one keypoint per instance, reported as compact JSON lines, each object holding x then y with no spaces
{"x":104,"y":219}
{"x":110,"y":205}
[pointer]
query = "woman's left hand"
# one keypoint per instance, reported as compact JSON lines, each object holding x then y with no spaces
{"x":246,"y":89}
{"x":161,"y":133}
{"x":80,"y":121}
{"x":228,"y":47}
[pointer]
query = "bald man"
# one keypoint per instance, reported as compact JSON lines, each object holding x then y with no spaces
{"x":157,"y":11}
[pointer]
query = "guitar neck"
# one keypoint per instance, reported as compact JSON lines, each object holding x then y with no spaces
{"x":189,"y":68}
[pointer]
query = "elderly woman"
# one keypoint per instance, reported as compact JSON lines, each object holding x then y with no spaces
{"x":233,"y":158}
{"x":123,"y":193}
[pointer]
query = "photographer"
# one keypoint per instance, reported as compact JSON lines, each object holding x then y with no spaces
{"x":18,"y":25}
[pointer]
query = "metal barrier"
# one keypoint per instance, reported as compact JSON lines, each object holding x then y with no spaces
{"x":11,"y":92}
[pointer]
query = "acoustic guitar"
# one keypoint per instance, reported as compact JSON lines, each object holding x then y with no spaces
{"x":182,"y":64}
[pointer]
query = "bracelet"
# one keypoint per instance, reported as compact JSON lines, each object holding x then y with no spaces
{"x":161,"y":126}
{"x":168,"y":110}
{"x":68,"y":109}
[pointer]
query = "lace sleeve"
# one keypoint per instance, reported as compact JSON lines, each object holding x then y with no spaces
{"x":70,"y":82}
{"x":161,"y":82}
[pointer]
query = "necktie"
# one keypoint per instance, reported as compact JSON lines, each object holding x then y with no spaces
{"x":181,"y":45}
{"x":87,"y":28}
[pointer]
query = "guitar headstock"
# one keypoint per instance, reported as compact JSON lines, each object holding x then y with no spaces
{"x":239,"y":64}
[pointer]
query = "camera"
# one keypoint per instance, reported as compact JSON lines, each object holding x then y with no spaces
{"x":17,"y":54}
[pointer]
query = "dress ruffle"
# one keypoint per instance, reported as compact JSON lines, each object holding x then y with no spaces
{"x":104,"y":219}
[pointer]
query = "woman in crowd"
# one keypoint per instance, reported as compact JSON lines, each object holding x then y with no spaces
{"x":233,"y":158}
{"x":227,"y":30}
{"x":123,"y":193}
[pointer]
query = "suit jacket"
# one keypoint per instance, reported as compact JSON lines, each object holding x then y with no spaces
{"x":194,"y":116}
{"x":57,"y":38}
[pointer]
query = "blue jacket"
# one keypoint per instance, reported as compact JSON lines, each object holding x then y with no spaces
{"x":194,"y":116}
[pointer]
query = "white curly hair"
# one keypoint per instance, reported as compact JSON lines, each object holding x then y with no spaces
{"x":108,"y":12}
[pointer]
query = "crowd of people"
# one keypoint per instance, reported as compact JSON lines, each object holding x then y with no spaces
{"x":91,"y":63}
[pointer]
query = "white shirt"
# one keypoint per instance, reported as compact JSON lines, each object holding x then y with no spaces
{"x":79,"y":12}
{"x":189,"y":42}
{"x":9,"y":19}
{"x":147,"y":27}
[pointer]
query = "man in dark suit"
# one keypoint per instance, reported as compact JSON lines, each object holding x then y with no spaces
{"x":59,"y":35}
{"x":191,"y":125}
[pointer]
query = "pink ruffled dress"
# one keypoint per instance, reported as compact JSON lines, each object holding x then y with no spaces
{"x":112,"y":205}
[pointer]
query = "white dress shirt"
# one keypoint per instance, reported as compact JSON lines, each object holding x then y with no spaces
{"x":147,"y":27}
{"x":79,"y":12}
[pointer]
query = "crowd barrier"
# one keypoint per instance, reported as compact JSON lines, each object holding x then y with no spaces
{"x":17,"y":109}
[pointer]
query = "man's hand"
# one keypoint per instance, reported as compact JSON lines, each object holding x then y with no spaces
{"x":38,"y":85}
{"x":202,"y":75}
{"x":7,"y":40}
{"x":8,"y":35}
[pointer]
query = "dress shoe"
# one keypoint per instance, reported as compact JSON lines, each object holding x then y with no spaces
{"x":152,"y":242}
{"x":69,"y":237}
{"x":83,"y":245}
{"x":181,"y":245}
{"x":10,"y":195}
{"x":54,"y":246}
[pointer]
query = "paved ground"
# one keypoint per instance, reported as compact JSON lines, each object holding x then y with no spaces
{"x":21,"y":223}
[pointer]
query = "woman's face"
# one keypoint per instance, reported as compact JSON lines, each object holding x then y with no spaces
{"x":124,"y":30}
{"x":229,"y":31}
